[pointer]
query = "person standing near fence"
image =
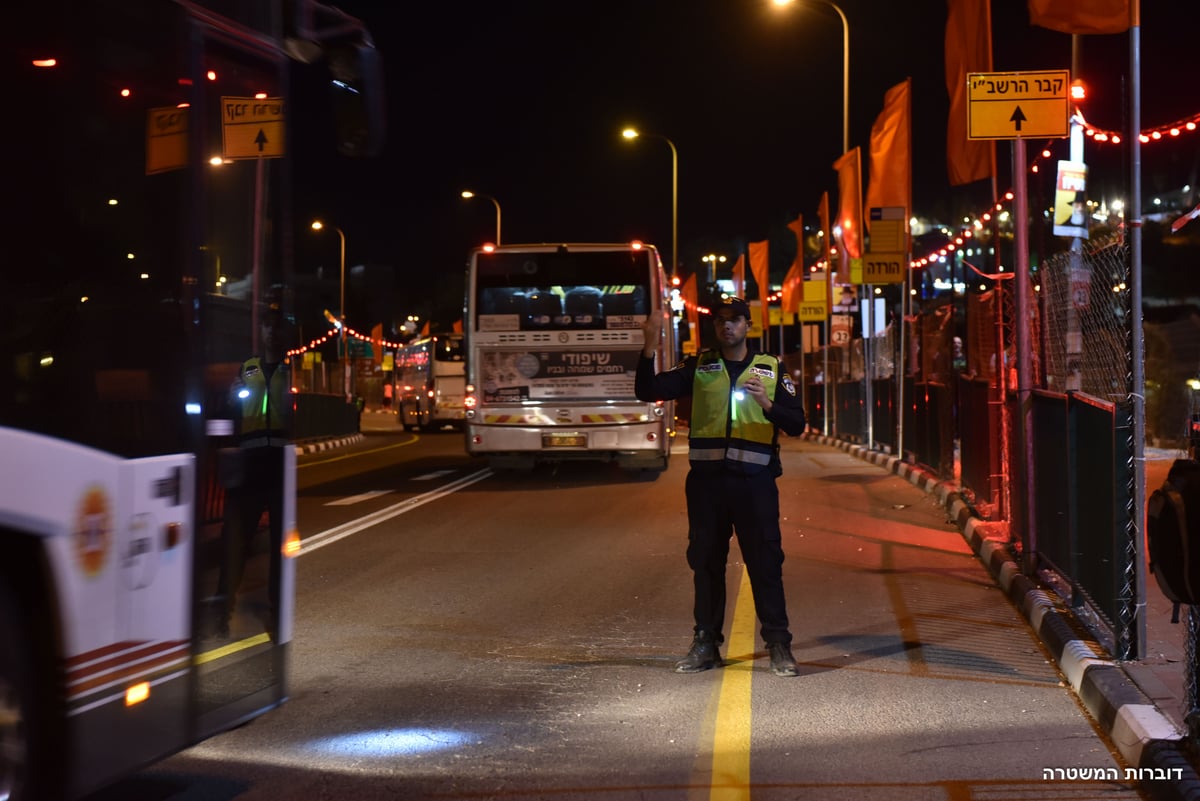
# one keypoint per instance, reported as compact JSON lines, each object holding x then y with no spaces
{"x":740,"y":402}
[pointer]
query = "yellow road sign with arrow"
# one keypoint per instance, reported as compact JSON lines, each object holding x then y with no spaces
{"x":252,"y":127}
{"x":1018,"y":105}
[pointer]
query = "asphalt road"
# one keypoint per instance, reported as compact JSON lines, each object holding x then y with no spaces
{"x":470,"y":635}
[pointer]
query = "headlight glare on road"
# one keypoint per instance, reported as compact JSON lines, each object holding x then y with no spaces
{"x":391,"y":742}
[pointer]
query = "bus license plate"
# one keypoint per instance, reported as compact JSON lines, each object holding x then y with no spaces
{"x":564,"y":440}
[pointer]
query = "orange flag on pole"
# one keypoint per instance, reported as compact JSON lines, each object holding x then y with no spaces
{"x":691,"y":306}
{"x":890,"y":157}
{"x":849,"y":170}
{"x":1084,"y":16}
{"x":377,"y":344}
{"x":759,"y":267}
{"x":968,"y":49}
{"x":791,"y":282}
{"x":796,"y":226}
{"x":793,"y":288}
{"x":739,"y":276}
{"x":827,"y":239}
{"x":823,"y":216}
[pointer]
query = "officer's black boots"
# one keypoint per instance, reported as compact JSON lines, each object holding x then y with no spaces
{"x":703,"y":654}
{"x":782,"y":661}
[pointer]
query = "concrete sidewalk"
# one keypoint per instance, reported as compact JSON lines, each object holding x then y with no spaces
{"x":1139,"y":704}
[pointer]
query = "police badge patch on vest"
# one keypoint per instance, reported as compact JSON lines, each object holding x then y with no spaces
{"x":788,"y":385}
{"x":762,"y":372}
{"x":711,"y":367}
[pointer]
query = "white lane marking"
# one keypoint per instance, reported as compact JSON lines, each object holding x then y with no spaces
{"x":434,"y":474}
{"x":332,"y":535}
{"x":353,"y":499}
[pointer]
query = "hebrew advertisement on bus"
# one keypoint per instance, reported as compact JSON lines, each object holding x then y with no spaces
{"x":534,"y":375}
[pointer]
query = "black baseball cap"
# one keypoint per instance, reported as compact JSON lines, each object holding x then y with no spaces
{"x":735,"y":305}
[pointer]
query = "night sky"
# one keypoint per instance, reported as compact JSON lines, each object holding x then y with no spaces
{"x":524,"y":100}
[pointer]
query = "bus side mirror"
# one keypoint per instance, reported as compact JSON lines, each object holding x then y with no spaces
{"x":359,"y":110}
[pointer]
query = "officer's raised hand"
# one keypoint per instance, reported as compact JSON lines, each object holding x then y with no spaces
{"x":652,"y":331}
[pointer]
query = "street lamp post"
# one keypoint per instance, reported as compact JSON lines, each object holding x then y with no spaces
{"x":632,"y":133}
{"x":467,"y":193}
{"x":845,"y":149}
{"x":317,"y":226}
{"x":845,"y":69}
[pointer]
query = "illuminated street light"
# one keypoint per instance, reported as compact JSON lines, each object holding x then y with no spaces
{"x":633,"y":133}
{"x":317,"y":226}
{"x":467,"y":193}
{"x":712,"y":259}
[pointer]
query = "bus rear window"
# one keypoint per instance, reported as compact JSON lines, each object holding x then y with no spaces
{"x":563,"y":290}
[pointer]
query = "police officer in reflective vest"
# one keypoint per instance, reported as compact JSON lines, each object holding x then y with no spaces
{"x":740,"y":401}
{"x":261,"y":400}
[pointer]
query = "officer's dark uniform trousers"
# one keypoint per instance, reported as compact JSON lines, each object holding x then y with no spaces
{"x":721,"y":502}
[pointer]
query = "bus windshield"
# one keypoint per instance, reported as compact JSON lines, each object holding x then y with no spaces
{"x":93,"y":347}
{"x":561,"y":290}
{"x":108,"y":373}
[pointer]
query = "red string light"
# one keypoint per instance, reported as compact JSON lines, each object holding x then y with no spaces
{"x":332,"y":334}
{"x":1170,"y":131}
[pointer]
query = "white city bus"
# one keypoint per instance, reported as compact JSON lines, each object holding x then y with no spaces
{"x":429,"y":382}
{"x":553,"y":335}
{"x":135,"y":275}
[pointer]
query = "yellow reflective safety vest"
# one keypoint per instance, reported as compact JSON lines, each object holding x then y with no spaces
{"x":266,"y":408}
{"x":727,"y":424}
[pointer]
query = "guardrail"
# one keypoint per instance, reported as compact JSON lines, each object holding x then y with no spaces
{"x":319,"y":416}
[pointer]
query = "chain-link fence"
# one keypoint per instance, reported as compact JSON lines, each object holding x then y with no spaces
{"x":1085,"y":344}
{"x":1085,"y":305}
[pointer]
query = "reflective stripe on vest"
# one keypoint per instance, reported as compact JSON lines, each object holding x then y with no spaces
{"x":725,"y":427}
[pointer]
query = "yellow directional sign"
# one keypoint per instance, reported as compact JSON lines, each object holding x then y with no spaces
{"x":883,"y":268}
{"x":889,"y":232}
{"x":814,"y":306}
{"x":166,"y":139}
{"x":813,"y":311}
{"x":1018,"y":105}
{"x":252,"y":127}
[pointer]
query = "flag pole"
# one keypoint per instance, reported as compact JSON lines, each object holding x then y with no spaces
{"x":1132,"y":644}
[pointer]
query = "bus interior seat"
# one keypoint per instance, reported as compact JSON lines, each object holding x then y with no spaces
{"x":542,"y":309}
{"x":503,"y":301}
{"x":583,"y":305}
{"x":633,"y":302}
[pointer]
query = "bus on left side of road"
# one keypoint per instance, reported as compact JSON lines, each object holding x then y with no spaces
{"x":144,"y":423}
